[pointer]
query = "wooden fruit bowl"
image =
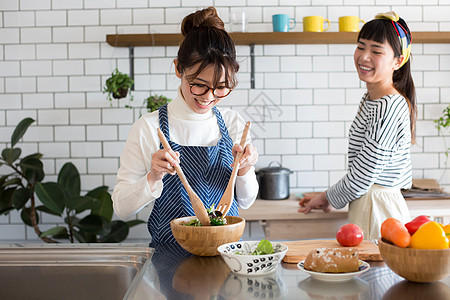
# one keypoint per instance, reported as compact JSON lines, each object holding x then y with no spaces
{"x":418,"y":265}
{"x":204,"y":240}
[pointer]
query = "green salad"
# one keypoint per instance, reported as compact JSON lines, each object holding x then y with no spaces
{"x":215,"y":217}
{"x":264,"y":247}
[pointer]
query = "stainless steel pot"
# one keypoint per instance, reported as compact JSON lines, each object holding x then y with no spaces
{"x":274,"y":182}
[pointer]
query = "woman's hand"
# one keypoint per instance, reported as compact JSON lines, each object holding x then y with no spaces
{"x":163,"y":161}
{"x":248,"y":159}
{"x":320,"y":201}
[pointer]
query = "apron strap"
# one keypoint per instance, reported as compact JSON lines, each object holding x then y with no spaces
{"x":220,"y":122}
{"x":164,"y":121}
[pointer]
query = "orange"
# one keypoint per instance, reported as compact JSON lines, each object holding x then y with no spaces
{"x":446,"y":229}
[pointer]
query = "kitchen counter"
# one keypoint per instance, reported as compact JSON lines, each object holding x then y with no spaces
{"x":280,"y":219}
{"x":177,"y":274}
{"x":173,"y":273}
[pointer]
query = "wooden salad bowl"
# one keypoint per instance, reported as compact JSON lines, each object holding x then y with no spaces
{"x":417,"y":265}
{"x":212,"y":270}
{"x":204,"y":240}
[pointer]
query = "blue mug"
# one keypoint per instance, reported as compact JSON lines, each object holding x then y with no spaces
{"x":281,"y":23}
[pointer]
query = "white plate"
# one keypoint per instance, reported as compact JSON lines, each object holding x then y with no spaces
{"x":363,"y":267}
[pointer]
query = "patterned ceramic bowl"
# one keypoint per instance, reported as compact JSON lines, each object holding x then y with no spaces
{"x":269,"y":286}
{"x":238,"y":257}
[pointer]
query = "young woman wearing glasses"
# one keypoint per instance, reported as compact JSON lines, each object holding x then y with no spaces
{"x":204,"y":138}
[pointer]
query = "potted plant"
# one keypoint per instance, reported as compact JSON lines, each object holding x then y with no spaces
{"x":444,"y":123}
{"x":155,"y":101}
{"x":87,"y":218}
{"x":117,"y":85}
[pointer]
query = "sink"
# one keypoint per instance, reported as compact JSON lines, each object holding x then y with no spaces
{"x":82,"y":271}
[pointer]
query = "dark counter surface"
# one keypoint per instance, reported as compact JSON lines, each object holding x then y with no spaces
{"x":176,"y":274}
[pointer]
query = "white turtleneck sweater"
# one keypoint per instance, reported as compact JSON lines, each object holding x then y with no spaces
{"x":132,"y":191}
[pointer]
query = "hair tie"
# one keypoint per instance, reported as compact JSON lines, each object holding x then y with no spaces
{"x":403,"y":33}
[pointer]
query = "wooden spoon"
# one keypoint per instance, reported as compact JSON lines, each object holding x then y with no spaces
{"x":227,"y":197}
{"x":197,"y":204}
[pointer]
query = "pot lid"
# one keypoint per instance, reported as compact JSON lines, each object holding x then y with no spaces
{"x":275,"y":170}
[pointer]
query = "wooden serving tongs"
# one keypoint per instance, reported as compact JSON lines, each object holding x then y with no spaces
{"x":197,"y":204}
{"x":227,"y":197}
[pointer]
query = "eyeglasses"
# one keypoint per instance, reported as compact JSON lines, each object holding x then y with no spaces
{"x":201,"y":89}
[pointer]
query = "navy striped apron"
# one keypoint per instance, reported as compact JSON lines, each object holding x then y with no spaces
{"x":207,"y":170}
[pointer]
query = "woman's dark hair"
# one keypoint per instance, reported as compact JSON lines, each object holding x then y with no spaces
{"x":206,"y":42}
{"x":380,"y":30}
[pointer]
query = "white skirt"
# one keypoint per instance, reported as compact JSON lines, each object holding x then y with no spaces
{"x":379,"y":203}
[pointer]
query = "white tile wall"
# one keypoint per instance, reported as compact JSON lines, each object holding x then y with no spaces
{"x":35,"y":35}
{"x":9,"y":35}
{"x":54,"y":61}
{"x":18,"y":19}
{"x":22,"y":52}
{"x":70,"y":133}
{"x":51,"y":18}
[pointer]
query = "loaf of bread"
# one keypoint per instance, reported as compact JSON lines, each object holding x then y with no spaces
{"x":332,"y":260}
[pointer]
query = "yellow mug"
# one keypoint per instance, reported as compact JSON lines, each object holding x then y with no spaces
{"x":314,"y":24}
{"x":349,"y":23}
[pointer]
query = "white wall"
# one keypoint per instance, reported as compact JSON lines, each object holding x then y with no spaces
{"x":54,"y":61}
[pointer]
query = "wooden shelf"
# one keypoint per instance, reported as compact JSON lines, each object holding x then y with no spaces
{"x":266,"y":38}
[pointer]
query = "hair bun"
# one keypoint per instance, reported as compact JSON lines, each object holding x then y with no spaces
{"x":207,"y":17}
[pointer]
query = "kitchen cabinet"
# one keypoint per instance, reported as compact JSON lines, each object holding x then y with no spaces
{"x":280,"y":219}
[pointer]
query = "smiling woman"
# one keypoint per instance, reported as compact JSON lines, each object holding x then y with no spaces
{"x":203,"y":138}
{"x":379,"y":158}
{"x":198,"y":94}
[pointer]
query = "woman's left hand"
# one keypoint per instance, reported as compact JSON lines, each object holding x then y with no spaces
{"x":248,"y":159}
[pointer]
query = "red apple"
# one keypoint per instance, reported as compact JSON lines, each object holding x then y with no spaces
{"x":349,"y":235}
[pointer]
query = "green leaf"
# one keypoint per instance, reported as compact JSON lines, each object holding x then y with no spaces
{"x":95,"y":192}
{"x":69,"y":179}
{"x":20,"y":197}
{"x":31,"y":163}
{"x":264,"y":247}
{"x":119,"y":232}
{"x":11,"y":154}
{"x":52,"y":196}
{"x":72,"y":220}
{"x":55,"y":231}
{"x":3,"y":178}
{"x":13,"y":181}
{"x":33,"y":169}
{"x":46,"y":210}
{"x":20,"y":130}
{"x":80,"y":204}
{"x":25,"y":215}
{"x":6,"y":199}
{"x":79,"y":236}
{"x":88,"y":236}
{"x":103,"y":206}
{"x":133,"y":223}
{"x":6,"y":210}
{"x":36,"y":155}
{"x":94,"y":224}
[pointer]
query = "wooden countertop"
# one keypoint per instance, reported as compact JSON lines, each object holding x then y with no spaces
{"x":287,"y":210}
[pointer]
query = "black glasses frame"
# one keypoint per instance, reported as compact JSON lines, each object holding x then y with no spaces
{"x":206,"y":91}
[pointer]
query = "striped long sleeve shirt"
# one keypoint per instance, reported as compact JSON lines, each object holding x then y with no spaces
{"x":378,"y":151}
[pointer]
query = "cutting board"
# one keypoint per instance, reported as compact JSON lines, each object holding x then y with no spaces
{"x":298,"y":250}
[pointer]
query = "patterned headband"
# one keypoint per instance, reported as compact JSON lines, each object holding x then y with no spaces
{"x":404,"y":35}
